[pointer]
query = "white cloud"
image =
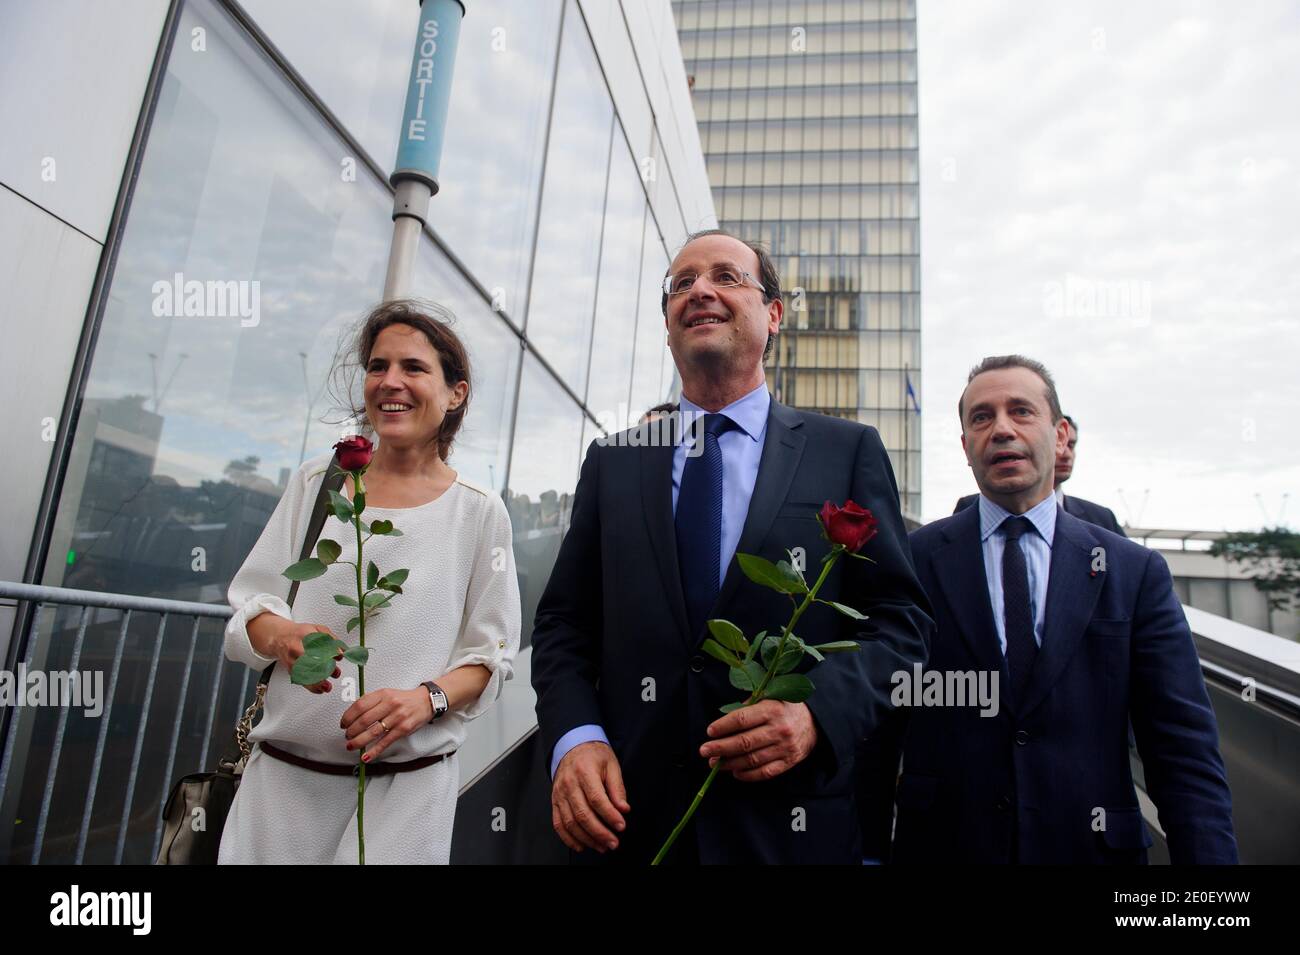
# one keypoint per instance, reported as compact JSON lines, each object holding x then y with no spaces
{"x":1150,"y":148}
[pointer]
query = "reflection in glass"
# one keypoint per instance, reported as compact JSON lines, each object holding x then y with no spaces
{"x":651,"y":335}
{"x":616,"y":303}
{"x":357,"y":56}
{"x":543,"y":475}
{"x":563,"y":293}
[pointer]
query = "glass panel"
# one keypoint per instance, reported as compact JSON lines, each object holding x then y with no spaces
{"x":543,"y":474}
{"x":357,"y":58}
{"x":613,"y":339}
{"x":651,"y":335}
{"x":563,"y":293}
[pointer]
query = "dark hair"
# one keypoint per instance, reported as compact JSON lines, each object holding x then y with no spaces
{"x":435,"y":322}
{"x":999,"y":362}
{"x":668,"y":407}
{"x":767,"y":276}
{"x":1073,"y":424}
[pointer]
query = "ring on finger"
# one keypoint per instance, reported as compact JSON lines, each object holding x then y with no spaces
{"x":384,"y":725}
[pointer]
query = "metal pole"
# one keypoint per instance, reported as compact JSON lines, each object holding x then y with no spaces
{"x":419,"y":146}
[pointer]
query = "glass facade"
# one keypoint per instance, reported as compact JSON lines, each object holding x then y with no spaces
{"x":807,"y":112}
{"x":265,"y":166}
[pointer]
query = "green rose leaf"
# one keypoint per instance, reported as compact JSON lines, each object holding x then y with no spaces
{"x":719,"y":652}
{"x":731,"y":707}
{"x":768,"y":650}
{"x":345,"y":601}
{"x":311,"y":668}
{"x":753,"y":647}
{"x":372,"y":575}
{"x":793,"y":579}
{"x":792,"y":688}
{"x":763,"y":571}
{"x":790,"y":656}
{"x":328,"y":551}
{"x":839,"y":646}
{"x":359,"y":501}
{"x":381,"y":527}
{"x":729,"y":635}
{"x":813,"y":652}
{"x":396,"y":576}
{"x":305,"y":569}
{"x":394,"y":533}
{"x":357,"y":655}
{"x":353,"y":624}
{"x":341,"y":506}
{"x":747,"y":677}
{"x":844,"y":609}
{"x":321,"y":643}
{"x":377,"y":599}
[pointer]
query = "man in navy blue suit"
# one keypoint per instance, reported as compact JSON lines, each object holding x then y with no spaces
{"x":627,"y":701}
{"x":1083,"y":632}
{"x":1084,"y":510}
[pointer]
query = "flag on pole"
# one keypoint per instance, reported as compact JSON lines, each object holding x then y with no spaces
{"x":912,"y":394}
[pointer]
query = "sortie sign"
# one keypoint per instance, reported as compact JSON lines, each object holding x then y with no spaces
{"x":419,"y":147}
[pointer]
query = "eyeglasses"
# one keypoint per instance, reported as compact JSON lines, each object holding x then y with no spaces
{"x":722,"y":276}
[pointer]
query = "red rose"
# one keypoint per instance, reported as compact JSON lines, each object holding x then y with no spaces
{"x":354,"y":453}
{"x":849,"y":525}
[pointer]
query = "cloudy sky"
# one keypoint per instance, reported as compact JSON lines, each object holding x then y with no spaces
{"x":1114,"y":189}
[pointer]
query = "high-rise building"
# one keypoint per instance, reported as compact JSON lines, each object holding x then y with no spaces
{"x":807,"y":112}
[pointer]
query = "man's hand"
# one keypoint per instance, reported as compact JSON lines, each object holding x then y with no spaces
{"x":761,"y":741}
{"x":588,"y":799}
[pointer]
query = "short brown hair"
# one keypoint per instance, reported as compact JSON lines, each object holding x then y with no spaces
{"x":767,"y":276}
{"x":435,"y":322}
{"x":999,"y":362}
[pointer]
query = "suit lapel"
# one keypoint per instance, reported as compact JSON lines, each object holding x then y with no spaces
{"x":1072,"y":591}
{"x":656,"y":466}
{"x":958,"y":565}
{"x":782,"y":450}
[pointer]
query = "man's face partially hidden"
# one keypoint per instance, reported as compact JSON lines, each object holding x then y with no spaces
{"x":1065,"y":459}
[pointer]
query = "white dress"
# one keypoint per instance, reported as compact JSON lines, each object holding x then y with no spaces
{"x":459,"y":606}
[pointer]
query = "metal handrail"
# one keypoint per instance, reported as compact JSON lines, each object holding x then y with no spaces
{"x":129,"y":604}
{"x":95,"y":598}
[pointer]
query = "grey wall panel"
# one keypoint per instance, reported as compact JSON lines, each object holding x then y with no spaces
{"x":46,"y":272}
{"x":72,"y":77}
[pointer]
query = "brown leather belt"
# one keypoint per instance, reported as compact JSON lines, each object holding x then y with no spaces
{"x":379,"y":768}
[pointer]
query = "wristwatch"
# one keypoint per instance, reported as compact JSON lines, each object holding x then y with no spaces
{"x":437,"y":699}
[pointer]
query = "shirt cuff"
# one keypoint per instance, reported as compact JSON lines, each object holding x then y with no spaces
{"x":587,"y":733}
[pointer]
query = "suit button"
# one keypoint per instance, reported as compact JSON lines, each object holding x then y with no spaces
{"x":1004,"y":803}
{"x":697,"y":664}
{"x":1021,"y":737}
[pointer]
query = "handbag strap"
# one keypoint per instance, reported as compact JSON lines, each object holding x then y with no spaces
{"x":333,"y":481}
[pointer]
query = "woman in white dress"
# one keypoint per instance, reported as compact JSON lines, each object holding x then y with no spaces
{"x":456,"y":624}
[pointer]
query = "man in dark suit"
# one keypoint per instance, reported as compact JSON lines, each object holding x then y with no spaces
{"x":1084,"y":510}
{"x":1083,"y":631}
{"x":627,"y":701}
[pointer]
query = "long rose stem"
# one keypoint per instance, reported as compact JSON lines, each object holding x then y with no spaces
{"x":361,"y":683}
{"x":756,"y":695}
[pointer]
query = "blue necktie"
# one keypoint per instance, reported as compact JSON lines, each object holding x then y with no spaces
{"x":699,"y":522}
{"x":1022,"y":649}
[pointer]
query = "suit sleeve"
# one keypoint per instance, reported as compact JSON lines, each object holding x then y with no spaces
{"x":566,"y":631}
{"x":1177,"y":736}
{"x":853,"y":689}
